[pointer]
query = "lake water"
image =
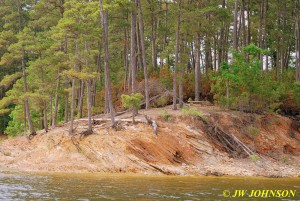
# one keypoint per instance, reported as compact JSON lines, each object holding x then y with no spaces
{"x":84,"y":187}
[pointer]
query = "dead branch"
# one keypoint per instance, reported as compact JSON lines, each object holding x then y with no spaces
{"x":86,"y":133}
{"x":152,"y":123}
{"x":231,"y":143}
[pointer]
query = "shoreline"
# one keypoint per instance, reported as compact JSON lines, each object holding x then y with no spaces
{"x":182,"y":147}
{"x":208,"y":173}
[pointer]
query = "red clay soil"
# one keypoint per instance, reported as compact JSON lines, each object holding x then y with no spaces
{"x":181,"y":147}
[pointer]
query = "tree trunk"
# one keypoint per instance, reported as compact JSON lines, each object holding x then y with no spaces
{"x":66,"y":102}
{"x":72,"y":107}
{"x":89,"y":105}
{"x":66,"y":118}
{"x":243,"y":24}
{"x":54,"y":118}
{"x":215,"y":54}
{"x":197,"y":68}
{"x":249,"y":23}
{"x":26,"y":103}
{"x":221,"y":49}
{"x":45,"y":120}
{"x":260,"y":34}
{"x":25,"y":119}
{"x":94,"y":90}
{"x":180,"y":87}
{"x":166,"y":35}
{"x":278,"y":47}
{"x":104,"y":23}
{"x":265,"y":33}
{"x":73,"y":92}
{"x":80,"y":99}
{"x":297,"y":42}
{"x":235,"y":26}
{"x":133,"y":115}
{"x":207,"y":55}
{"x":51,"y":109}
{"x":176,"y":60}
{"x":45,"y":116}
{"x":133,"y":51}
{"x":192,"y":58}
{"x":125,"y":58}
{"x":153,"y":40}
{"x":138,"y":45}
{"x":142,"y":39}
{"x":283,"y":38}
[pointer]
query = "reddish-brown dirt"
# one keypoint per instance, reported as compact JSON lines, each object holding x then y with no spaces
{"x":182,"y":146}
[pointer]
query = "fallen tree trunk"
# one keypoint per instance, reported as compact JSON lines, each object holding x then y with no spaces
{"x":152,"y":123}
{"x":228,"y":141}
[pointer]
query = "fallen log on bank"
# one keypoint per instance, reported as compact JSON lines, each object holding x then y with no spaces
{"x":152,"y":123}
{"x":228,"y":141}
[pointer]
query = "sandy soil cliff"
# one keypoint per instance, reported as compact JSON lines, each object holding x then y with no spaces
{"x":184,"y":145}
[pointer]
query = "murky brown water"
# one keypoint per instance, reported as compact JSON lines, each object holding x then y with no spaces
{"x":24,"y":186}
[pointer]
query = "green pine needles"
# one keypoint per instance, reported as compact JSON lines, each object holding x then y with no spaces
{"x":241,"y":84}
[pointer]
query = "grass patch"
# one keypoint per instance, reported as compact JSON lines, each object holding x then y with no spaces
{"x":285,"y":159}
{"x":252,"y":132}
{"x":254,"y":157}
{"x":165,"y":115}
{"x":191,"y":111}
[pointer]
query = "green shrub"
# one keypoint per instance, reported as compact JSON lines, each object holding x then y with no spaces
{"x":165,"y":115}
{"x":16,"y":125}
{"x":191,"y":111}
{"x":133,"y":102}
{"x":240,"y":85}
{"x":162,"y":101}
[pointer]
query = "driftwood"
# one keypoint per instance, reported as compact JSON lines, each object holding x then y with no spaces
{"x":228,"y":141}
{"x":30,"y":137}
{"x":152,"y":123}
{"x":153,"y":98}
{"x":120,"y":113}
{"x":86,"y":133}
{"x":201,"y":103}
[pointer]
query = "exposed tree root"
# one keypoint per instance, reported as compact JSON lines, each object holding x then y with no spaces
{"x":86,"y":133}
{"x":31,"y":136}
{"x":152,"y":123}
{"x":232,"y":144}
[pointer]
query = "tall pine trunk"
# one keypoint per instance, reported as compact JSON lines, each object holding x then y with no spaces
{"x":54,"y":118}
{"x":297,"y":42}
{"x":73,"y":93}
{"x":133,"y":51}
{"x":176,"y":61}
{"x":244,"y":32}
{"x":197,"y":68}
{"x":153,"y":40}
{"x":26,"y":102}
{"x":89,"y":105}
{"x":265,"y":33}
{"x":80,"y":99}
{"x":235,"y":26}
{"x":260,"y":34}
{"x":181,"y":77}
{"x":125,"y":59}
{"x":66,"y":118}
{"x":142,"y":39}
{"x":104,"y":23}
{"x":45,"y":116}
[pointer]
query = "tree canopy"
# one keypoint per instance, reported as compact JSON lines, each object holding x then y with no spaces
{"x":66,"y":59}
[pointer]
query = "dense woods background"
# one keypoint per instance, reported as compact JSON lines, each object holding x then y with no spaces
{"x":67,"y":59}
